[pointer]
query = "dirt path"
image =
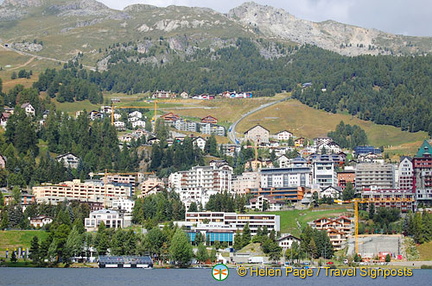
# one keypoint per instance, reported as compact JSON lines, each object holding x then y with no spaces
{"x":24,"y":64}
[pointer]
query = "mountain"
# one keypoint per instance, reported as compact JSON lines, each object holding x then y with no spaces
{"x":65,"y":28}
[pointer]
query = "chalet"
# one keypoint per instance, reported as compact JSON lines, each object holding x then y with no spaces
{"x":258,"y":164}
{"x":138,"y":124}
{"x":2,"y":162}
{"x":119,"y":125}
{"x":199,"y":142}
{"x":68,"y":160}
{"x":300,"y":142}
{"x":29,"y":109}
{"x":209,"y":119}
{"x":163,"y":94}
{"x":331,"y":147}
{"x":261,"y":202}
{"x":184,"y":94}
{"x":94,"y":114}
{"x":331,"y":192}
{"x":136,"y":114}
{"x":153,"y":140}
{"x":40,"y":221}
{"x":283,"y":161}
{"x":257,"y":134}
{"x":133,"y":119}
{"x":322,"y":140}
{"x":170,"y":117}
{"x":4,"y":117}
{"x":286,"y":241}
{"x":284,"y":135}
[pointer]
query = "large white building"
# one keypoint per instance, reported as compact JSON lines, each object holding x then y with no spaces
{"x":285,"y":177}
{"x":234,"y":220}
{"x":324,"y":171}
{"x":200,"y":182}
{"x":89,"y":191}
{"x":246,"y":181}
{"x":111,"y":219}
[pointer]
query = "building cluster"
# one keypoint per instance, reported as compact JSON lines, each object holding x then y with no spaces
{"x":222,"y":226}
{"x":338,"y":229}
{"x":207,"y":125}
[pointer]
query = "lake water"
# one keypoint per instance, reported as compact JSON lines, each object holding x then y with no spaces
{"x":132,"y":277}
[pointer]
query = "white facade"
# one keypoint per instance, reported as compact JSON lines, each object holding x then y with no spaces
{"x":111,"y":219}
{"x":237,"y":221}
{"x":286,"y":177}
{"x":405,"y":174}
{"x":123,"y":204}
{"x":284,"y":135}
{"x":198,"y":183}
{"x":200,"y":142}
{"x":246,"y":181}
{"x":138,"y":123}
{"x":324,"y":173}
{"x":286,"y":241}
{"x":91,"y":191}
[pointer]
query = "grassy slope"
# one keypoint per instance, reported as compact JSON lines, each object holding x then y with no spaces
{"x":425,"y":251}
{"x":19,"y":238}
{"x":308,"y":122}
{"x":288,"y":219}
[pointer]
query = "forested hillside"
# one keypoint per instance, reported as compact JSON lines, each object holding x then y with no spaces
{"x":387,"y":90}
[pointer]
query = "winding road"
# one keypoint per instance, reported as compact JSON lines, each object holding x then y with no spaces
{"x":231,"y":130}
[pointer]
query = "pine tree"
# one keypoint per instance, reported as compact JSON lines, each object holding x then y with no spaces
{"x":180,"y":249}
{"x":35,"y":254}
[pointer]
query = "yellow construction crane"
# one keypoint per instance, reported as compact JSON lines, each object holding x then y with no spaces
{"x":256,"y":146}
{"x":358,"y":201}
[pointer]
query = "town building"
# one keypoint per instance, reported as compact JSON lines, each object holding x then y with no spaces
{"x":405,"y":174}
{"x":324,"y":171}
{"x":286,"y":241}
{"x":373,"y":175}
{"x":209,"y":119}
{"x":151,"y":186}
{"x":344,"y":177}
{"x":282,"y":194}
{"x":263,"y":203}
{"x":331,"y":192}
{"x":40,"y":221}
{"x":234,"y":220}
{"x":404,"y":200}
{"x":29,"y":109}
{"x":69,"y":160}
{"x":284,"y":135}
{"x":197,"y":184}
{"x":257,"y":134}
{"x":422,"y":174}
{"x":111,"y":219}
{"x":243,"y":183}
{"x":91,"y":191}
{"x":338,"y":229}
{"x":286,"y":177}
{"x":123,"y":204}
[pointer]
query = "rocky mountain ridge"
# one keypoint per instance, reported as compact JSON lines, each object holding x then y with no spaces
{"x":86,"y":19}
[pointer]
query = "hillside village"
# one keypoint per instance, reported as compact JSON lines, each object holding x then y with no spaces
{"x":294,"y":173}
{"x":108,"y":154}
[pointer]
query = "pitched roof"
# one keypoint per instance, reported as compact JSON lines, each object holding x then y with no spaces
{"x":424,"y":150}
{"x":258,"y":125}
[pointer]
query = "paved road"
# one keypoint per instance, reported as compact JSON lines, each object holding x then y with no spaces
{"x":231,"y":131}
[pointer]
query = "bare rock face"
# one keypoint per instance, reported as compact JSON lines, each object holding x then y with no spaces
{"x":23,"y":3}
{"x":330,"y":35}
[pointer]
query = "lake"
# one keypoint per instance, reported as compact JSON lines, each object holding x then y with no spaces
{"x":107,"y":277}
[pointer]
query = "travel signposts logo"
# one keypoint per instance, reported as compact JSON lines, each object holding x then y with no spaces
{"x":220,"y":272}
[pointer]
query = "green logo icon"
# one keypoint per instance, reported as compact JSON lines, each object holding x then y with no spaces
{"x":220,"y":272}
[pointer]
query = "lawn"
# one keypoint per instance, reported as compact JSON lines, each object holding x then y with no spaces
{"x":290,"y":219}
{"x":425,"y":251}
{"x":11,"y":239}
